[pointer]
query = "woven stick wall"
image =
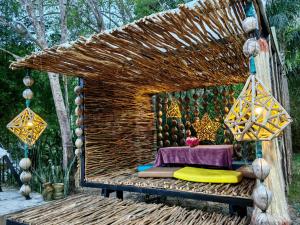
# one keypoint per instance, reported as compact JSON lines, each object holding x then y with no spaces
{"x":197,"y":45}
{"x":119,"y":127}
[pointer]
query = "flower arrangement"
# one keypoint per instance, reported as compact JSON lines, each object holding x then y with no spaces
{"x":192,"y":141}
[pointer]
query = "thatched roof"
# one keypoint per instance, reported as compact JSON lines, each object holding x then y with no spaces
{"x":196,"y":45}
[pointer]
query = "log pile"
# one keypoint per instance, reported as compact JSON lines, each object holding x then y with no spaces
{"x":92,"y":209}
{"x":243,"y":189}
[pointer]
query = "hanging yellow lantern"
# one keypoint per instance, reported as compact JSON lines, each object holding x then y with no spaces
{"x":256,"y":114}
{"x":27,"y":126}
{"x":174,"y":110}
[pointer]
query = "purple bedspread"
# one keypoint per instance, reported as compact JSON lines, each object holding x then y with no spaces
{"x":206,"y":155}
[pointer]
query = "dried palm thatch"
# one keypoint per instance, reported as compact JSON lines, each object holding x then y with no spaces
{"x":128,"y":177}
{"x":90,"y":209}
{"x":197,"y":45}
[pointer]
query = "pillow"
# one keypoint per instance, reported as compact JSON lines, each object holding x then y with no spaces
{"x":162,"y":172}
{"x":247,"y":171}
{"x":145,"y":167}
{"x":208,"y":175}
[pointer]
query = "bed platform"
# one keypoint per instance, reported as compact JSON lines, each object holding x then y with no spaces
{"x":232,"y":194}
{"x":92,"y":209}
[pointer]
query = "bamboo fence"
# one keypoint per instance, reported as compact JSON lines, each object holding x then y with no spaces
{"x":92,"y":209}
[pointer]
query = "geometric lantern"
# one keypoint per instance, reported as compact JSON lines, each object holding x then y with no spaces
{"x":27,"y":126}
{"x":173,"y":110}
{"x":206,"y":129}
{"x":256,"y":114}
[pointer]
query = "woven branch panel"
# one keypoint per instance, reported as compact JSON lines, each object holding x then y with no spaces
{"x":119,"y":128}
{"x":92,"y":209}
{"x":243,"y":189}
{"x":196,"y":45}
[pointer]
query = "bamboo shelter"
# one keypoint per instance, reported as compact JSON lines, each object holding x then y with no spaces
{"x":123,"y":76}
{"x":123,"y":62}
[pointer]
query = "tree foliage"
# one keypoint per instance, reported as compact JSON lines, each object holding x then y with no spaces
{"x":284,"y":15}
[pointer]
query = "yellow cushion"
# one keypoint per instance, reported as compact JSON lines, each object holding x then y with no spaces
{"x":208,"y":175}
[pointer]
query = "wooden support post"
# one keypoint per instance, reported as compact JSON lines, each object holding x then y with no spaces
{"x":119,"y":194}
{"x":238,"y":210}
{"x":106,"y":192}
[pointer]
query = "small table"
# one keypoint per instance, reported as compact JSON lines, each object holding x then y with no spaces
{"x":204,"y":155}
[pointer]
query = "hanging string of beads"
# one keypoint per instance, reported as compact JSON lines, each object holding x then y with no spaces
{"x":79,"y":121}
{"x":159,"y":122}
{"x":187,"y":115}
{"x":225,"y":110}
{"x":205,"y":99}
{"x":166,"y":126}
{"x":262,"y":196}
{"x":196,"y":105}
{"x":25,"y":163}
{"x":216,"y":103}
{"x":174,"y":131}
{"x":181,"y":125}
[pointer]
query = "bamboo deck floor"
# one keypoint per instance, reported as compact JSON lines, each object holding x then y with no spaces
{"x":94,"y":209}
{"x":243,"y":189}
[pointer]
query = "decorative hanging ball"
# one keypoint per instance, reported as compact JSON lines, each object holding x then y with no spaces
{"x":160,"y":128}
{"x":249,"y":24}
{"x":159,"y":136}
{"x":262,"y":197}
{"x":226,"y":110}
{"x":25,"y":163}
{"x":78,"y":111}
{"x":263,"y":218}
{"x":27,"y":94}
{"x":78,"y":151}
{"x":25,"y":190}
{"x":160,"y":144}
{"x":251,"y":47}
{"x":78,"y":100}
{"x":78,"y":90}
{"x":78,"y":132}
{"x":160,"y":121}
{"x":261,"y":168}
{"x":25,"y":176}
{"x":227,"y":141}
{"x":188,"y":133}
{"x":28,"y":81}
{"x":78,"y":143}
{"x":79,"y":121}
{"x":167,"y":143}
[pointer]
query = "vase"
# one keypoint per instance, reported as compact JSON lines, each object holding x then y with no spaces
{"x":58,"y":191}
{"x":48,"y":191}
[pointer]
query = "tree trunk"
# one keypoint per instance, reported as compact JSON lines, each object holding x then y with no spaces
{"x":63,"y":120}
{"x":271,"y":149}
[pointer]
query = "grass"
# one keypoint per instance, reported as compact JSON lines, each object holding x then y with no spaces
{"x":294,"y":190}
